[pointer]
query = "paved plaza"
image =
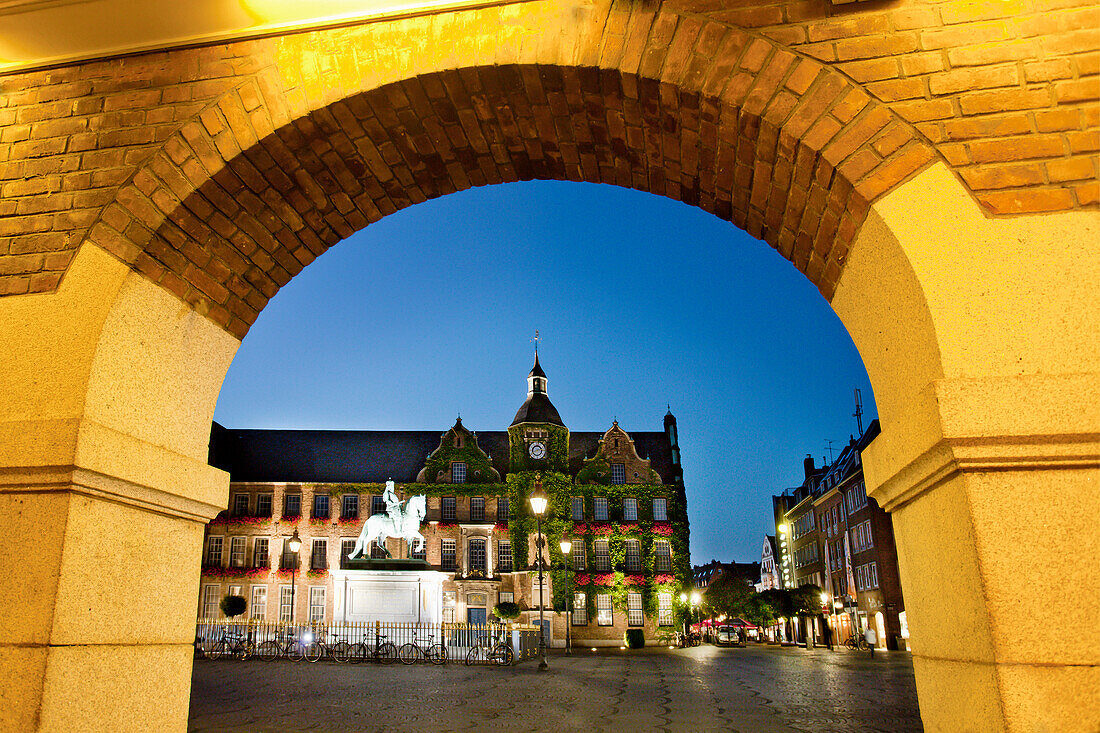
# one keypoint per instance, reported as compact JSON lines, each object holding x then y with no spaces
{"x":706,"y":688}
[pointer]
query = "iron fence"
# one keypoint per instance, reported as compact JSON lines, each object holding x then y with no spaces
{"x":228,"y":638}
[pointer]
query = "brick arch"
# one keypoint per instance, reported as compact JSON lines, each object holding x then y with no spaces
{"x":785,"y":149}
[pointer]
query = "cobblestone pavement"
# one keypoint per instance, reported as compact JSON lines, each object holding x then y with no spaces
{"x":705,"y":688}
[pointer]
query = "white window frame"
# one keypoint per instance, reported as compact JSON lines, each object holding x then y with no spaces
{"x":482,"y":550}
{"x":506,"y":596}
{"x":237,"y":512}
{"x":599,"y":509}
{"x":348,"y":501}
{"x":580,"y":555}
{"x":261,"y":500}
{"x":635,"y":616}
{"x":445,"y":543}
{"x":662,"y":562}
{"x":316,"y":604}
{"x":603,"y":560}
{"x":580,"y":609}
{"x":286,"y":600}
{"x":664,"y":609}
{"x":662,"y":515}
{"x":257,"y":605}
{"x":377,"y":504}
{"x":214,"y":550}
{"x":238,"y":547}
{"x":630,"y":509}
{"x":210,"y":601}
{"x":287,"y":498}
{"x":322,"y":544}
{"x":318,"y":500}
{"x":604,"y":612}
{"x":632,"y":560}
{"x":504,"y":556}
{"x":257,"y":543}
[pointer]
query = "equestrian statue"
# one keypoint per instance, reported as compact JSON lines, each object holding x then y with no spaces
{"x":396,"y":522}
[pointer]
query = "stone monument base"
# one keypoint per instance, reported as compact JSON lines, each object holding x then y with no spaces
{"x":391,"y":590}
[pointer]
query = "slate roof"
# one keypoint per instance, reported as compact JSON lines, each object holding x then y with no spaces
{"x":373,"y":456}
{"x":538,"y":408}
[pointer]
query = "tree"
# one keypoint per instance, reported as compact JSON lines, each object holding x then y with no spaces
{"x":233,"y":605}
{"x":506,"y":610}
{"x":729,"y":595}
{"x":806,"y":600}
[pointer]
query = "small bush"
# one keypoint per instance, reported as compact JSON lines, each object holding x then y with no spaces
{"x":233,"y":605}
{"x":635,"y":638}
{"x":506,"y":610}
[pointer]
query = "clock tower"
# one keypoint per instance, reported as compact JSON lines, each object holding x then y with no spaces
{"x":538,"y":439}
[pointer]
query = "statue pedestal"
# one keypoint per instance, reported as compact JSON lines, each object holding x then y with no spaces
{"x":395,"y":595}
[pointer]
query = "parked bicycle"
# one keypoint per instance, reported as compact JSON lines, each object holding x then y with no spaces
{"x":285,"y":644}
{"x":231,"y":645}
{"x":497,"y":652}
{"x":381,"y":651}
{"x":412,"y":652}
{"x":336,"y":648}
{"x":857,"y":642}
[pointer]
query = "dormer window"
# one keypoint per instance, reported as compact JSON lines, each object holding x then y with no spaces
{"x":458,"y":472}
{"x":618,"y":473}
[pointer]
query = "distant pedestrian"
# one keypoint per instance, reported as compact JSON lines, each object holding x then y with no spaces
{"x":828,"y":634}
{"x":871,"y":638}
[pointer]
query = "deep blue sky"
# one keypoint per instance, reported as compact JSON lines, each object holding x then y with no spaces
{"x":640,"y":301}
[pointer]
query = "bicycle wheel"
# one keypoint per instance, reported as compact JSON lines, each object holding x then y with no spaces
{"x":219,"y":650}
{"x":503,"y":654}
{"x":268,"y":651}
{"x":245,"y":651}
{"x":387,"y":653}
{"x":313,"y":652}
{"x":341,"y":652}
{"x":295,"y":651}
{"x":409,"y":653}
{"x":358,"y":653}
{"x":437,"y":654}
{"x":476,"y":655}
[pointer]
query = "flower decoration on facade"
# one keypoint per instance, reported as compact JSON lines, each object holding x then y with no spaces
{"x":317,"y":573}
{"x":216,"y":571}
{"x":582,"y":579}
{"x":663,"y":529}
{"x":604,"y":579}
{"x":580,"y":528}
{"x":226,"y":521}
{"x":628,"y":527}
{"x":316,"y":521}
{"x":664,"y":579}
{"x":500,"y":527}
{"x":634,"y":580}
{"x":601,"y":528}
{"x":349,"y":520}
{"x":447,"y":525}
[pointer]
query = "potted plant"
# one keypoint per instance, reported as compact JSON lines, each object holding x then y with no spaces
{"x":233,"y":606}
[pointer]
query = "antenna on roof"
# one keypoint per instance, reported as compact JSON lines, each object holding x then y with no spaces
{"x":829,"y":447}
{"x":536,"y":339}
{"x":858,"y":415}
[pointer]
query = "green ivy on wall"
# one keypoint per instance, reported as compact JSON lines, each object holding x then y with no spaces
{"x":557,"y":450}
{"x":478,"y":468}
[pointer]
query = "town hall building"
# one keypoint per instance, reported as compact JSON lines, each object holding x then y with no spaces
{"x":619,"y":497}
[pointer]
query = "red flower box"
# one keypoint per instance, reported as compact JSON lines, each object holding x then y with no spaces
{"x":664,"y":578}
{"x":582,"y":579}
{"x":634,"y":580}
{"x":601,"y":528}
{"x":662,"y":528}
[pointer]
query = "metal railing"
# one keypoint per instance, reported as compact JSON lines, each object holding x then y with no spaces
{"x":457,"y":639}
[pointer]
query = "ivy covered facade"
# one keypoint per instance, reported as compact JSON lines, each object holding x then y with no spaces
{"x":617,"y":496}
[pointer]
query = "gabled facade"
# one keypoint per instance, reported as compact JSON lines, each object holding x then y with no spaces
{"x":619,"y":498}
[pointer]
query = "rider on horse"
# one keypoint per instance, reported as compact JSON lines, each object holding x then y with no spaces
{"x":393,"y":504}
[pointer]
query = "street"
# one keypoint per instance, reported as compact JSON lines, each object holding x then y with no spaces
{"x":704,"y":688}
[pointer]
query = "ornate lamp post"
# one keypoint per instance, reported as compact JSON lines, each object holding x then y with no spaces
{"x":566,"y":547}
{"x":538,"y":505}
{"x":295,"y":544}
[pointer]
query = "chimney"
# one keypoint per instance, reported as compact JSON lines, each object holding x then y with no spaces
{"x":808,"y":464}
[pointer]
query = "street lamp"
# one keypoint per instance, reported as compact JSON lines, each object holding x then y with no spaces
{"x":295,"y":544}
{"x":566,"y":547}
{"x":538,"y":505}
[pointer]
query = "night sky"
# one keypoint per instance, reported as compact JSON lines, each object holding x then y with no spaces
{"x":640,"y":302}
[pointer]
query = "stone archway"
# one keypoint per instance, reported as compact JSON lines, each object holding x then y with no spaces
{"x":233,"y":167}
